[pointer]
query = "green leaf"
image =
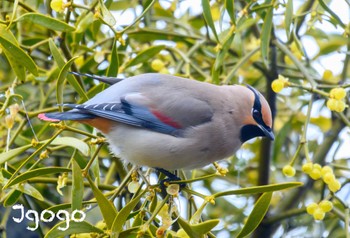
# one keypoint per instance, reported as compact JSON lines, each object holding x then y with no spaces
{"x":18,"y":54}
{"x":266,"y":36}
{"x":74,"y":228}
{"x":30,"y":190}
{"x":19,"y":69}
{"x":197,"y":216}
{"x":107,"y":17}
{"x":187,"y":228}
{"x":113,"y":67}
{"x":122,"y":216}
{"x":205,"y":227}
{"x":335,"y":16}
{"x":333,"y":43}
{"x":6,"y":156}
{"x":145,"y":55}
{"x":56,"y":54}
{"x":73,"y":142}
{"x":61,"y":82}
{"x":61,"y":63}
{"x":288,"y":17}
{"x":209,"y":18}
{"x":107,"y":209}
{"x":230,"y":7}
{"x":123,"y":5}
{"x":84,"y":21}
{"x":244,"y":23}
{"x":131,"y":233}
{"x":35,"y":173}
{"x":12,"y":198}
{"x":77,"y":186}
{"x":198,"y":230}
{"x":46,"y":21}
{"x":256,"y":216}
{"x":147,"y":35}
{"x":259,"y":189}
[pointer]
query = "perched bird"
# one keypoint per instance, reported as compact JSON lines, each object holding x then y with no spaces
{"x":169,"y":122}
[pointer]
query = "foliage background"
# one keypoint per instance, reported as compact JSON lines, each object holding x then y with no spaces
{"x":222,"y":42}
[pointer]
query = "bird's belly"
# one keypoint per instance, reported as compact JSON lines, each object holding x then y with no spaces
{"x":147,"y":148}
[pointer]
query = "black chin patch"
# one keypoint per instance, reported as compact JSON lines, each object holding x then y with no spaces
{"x":249,"y":132}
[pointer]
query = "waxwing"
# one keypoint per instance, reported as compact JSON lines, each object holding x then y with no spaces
{"x":169,"y":122}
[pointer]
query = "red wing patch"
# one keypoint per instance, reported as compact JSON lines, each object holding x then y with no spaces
{"x":165,"y":119}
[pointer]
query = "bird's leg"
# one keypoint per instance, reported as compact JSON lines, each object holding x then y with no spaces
{"x":171,"y":177}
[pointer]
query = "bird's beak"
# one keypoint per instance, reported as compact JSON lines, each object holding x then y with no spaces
{"x":268,"y":132}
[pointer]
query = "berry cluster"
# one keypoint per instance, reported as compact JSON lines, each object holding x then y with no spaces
{"x":335,"y":101}
{"x":319,"y":210}
{"x":315,"y":171}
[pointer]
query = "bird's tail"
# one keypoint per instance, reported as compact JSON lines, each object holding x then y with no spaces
{"x":63,"y":116}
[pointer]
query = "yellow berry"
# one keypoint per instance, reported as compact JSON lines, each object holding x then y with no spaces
{"x":317,"y":166}
{"x":280,"y":83}
{"x":318,"y":214}
{"x":331,"y":104}
{"x":57,"y":5}
{"x":327,"y":74}
{"x":311,"y":208}
{"x":326,"y":169}
{"x":340,"y":106}
{"x":326,"y":205}
{"x":337,"y":93}
{"x":315,"y":173}
{"x":334,"y":186}
{"x":288,"y":171}
{"x":157,"y":65}
{"x":328,"y":177}
{"x":307,"y":167}
{"x":277,"y":86}
{"x":336,"y":105}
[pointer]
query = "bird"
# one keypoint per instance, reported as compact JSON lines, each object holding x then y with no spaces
{"x":170,"y":122}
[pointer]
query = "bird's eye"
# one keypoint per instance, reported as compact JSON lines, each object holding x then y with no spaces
{"x":256,"y":114}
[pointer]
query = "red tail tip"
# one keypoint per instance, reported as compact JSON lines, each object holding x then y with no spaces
{"x":43,"y":117}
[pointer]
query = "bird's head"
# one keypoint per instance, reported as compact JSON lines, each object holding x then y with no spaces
{"x":256,"y":115}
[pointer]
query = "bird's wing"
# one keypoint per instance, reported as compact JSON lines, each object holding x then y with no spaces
{"x":169,"y":115}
